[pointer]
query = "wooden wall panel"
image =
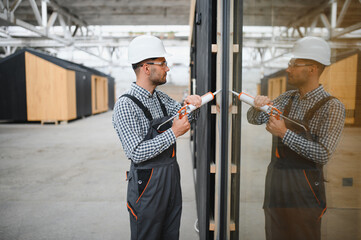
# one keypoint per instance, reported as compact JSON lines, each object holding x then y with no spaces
{"x":99,"y":94}
{"x":276,"y":86}
{"x":48,"y":89}
{"x":340,"y":80}
{"x":71,"y":94}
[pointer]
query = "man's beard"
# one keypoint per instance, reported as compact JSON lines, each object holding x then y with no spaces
{"x":160,"y":81}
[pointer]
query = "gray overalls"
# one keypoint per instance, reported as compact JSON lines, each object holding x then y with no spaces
{"x":295,"y":193}
{"x":154,"y":197}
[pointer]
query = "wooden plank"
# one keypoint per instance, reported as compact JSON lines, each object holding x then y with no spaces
{"x":212,"y":168}
{"x":212,"y":226}
{"x":71,"y":95}
{"x":214,"y":48}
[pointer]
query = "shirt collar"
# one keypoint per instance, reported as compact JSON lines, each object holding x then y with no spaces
{"x":314,"y":93}
{"x":141,"y":91}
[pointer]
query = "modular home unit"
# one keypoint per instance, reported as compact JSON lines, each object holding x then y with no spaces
{"x":39,"y":87}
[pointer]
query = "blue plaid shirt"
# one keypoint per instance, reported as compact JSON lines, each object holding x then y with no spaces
{"x":326,"y":124}
{"x":132,"y":125}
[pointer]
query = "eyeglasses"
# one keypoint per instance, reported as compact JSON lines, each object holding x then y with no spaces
{"x":162,"y":64}
{"x":293,"y":64}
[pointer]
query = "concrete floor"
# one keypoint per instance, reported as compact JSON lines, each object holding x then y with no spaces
{"x":68,"y":182}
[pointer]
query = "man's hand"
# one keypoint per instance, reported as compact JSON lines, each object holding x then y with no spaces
{"x":260,"y":101}
{"x":180,"y":126}
{"x":194,"y":100}
{"x":276,"y":127}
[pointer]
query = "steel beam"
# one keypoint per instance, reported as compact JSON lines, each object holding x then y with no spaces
{"x":42,"y":19}
{"x":52,"y":19}
{"x":66,"y":14}
{"x":346,"y":30}
{"x":44,"y":13}
{"x":311,"y":15}
{"x":333,"y":14}
{"x":343,"y":12}
{"x":15,"y":5}
{"x":64,"y":25}
{"x":36,"y":12}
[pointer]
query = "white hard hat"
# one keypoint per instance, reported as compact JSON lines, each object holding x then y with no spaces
{"x":145,"y":47}
{"x":313,"y":48}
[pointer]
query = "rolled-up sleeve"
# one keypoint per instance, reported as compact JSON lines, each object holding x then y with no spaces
{"x":256,"y":117}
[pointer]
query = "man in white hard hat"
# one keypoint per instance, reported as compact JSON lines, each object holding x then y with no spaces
{"x":295,"y":199}
{"x":154,"y":197}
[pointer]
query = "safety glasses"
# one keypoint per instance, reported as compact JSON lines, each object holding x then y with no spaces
{"x":162,"y":64}
{"x":293,"y":64}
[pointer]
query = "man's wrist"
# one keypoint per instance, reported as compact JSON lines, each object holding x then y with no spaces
{"x":283,"y":133}
{"x":173,"y":133}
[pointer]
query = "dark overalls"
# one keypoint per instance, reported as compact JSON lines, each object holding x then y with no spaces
{"x":295,"y":197}
{"x":154,"y":197}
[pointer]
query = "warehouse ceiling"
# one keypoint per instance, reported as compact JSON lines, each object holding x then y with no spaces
{"x":298,"y":18}
{"x":176,"y":12}
{"x":299,"y":12}
{"x":116,"y":12}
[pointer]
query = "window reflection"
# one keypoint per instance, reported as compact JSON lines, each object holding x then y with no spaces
{"x":291,"y":192}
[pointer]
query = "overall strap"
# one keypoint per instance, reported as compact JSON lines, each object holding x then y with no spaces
{"x":309,"y":114}
{"x":164,"y":110}
{"x":140,"y":105}
{"x":287,"y":108}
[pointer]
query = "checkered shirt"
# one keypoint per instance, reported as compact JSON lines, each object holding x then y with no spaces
{"x":132,"y":125}
{"x":327,"y":123}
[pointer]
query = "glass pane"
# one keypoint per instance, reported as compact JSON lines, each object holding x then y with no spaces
{"x":313,"y":177}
